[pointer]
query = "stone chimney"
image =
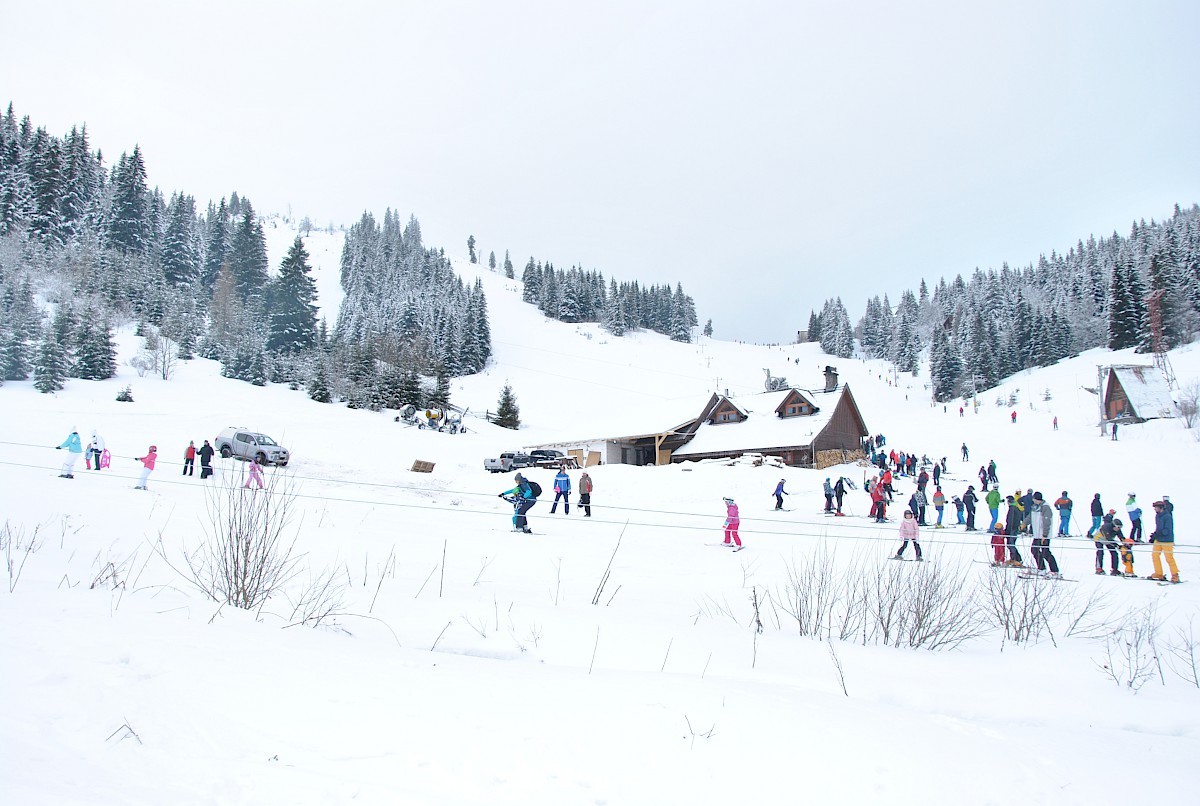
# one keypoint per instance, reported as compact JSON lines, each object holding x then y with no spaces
{"x":830,"y":379}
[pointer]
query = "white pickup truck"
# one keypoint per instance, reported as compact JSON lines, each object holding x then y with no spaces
{"x":508,"y":461}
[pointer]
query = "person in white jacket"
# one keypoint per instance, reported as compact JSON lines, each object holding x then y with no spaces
{"x":95,"y":449}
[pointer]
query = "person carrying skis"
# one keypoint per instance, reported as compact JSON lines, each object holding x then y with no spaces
{"x":1063,"y":505}
{"x":732,"y":521}
{"x":909,"y":530}
{"x":74,"y":448}
{"x":1097,"y":514}
{"x":1135,"y":519}
{"x":1163,"y":538}
{"x":256,"y":476}
{"x":189,"y":459}
{"x":562,"y":489}
{"x":522,"y":498}
{"x":828,"y":489}
{"x":780,"y":493}
{"x":147,"y":467}
{"x":206,"y":454}
{"x":839,"y":491}
{"x":585,"y":494}
{"x":969,"y":500}
{"x":1040,"y":523}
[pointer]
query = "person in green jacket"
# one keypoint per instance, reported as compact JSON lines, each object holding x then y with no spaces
{"x":993,"y":499}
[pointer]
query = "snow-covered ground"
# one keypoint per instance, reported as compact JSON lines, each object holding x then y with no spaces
{"x":469,"y":665}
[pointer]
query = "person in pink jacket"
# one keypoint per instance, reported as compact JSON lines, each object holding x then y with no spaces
{"x":147,"y":467}
{"x":732,"y":521}
{"x":909,"y":530}
{"x":256,"y":476}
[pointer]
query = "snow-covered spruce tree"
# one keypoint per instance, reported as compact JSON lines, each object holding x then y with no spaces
{"x":508,"y":265}
{"x":440,"y":397}
{"x":906,"y":341}
{"x":708,"y":329}
{"x":291,"y":308}
{"x":50,"y":371}
{"x":95,"y":355}
{"x":178,"y":257}
{"x":944,"y":366}
{"x":248,"y":257}
{"x":44,"y":165}
{"x":471,"y":249}
{"x":508,"y":413}
{"x":318,"y":385}
{"x":492,"y":260}
{"x":14,"y":355}
{"x":129,"y":227}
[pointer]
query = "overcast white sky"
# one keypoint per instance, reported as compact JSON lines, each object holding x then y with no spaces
{"x":767,"y":154}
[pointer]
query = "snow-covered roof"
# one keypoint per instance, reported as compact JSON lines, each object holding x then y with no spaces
{"x":763,"y":429}
{"x":1147,"y":390}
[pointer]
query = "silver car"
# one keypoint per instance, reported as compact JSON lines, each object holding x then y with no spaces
{"x":247,"y":444}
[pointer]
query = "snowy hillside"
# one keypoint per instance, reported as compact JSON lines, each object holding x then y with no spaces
{"x":605,"y":660}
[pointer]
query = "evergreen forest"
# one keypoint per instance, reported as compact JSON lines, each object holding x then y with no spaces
{"x":996,"y":323}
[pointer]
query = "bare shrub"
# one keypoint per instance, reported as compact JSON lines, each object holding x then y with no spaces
{"x":929,"y":606}
{"x":247,"y":554}
{"x":17,"y":547}
{"x":812,"y":592}
{"x":1183,"y":653}
{"x":1131,"y":650}
{"x":940,"y":609}
{"x":1189,"y":403}
{"x":1020,"y":608}
{"x":320,"y":602}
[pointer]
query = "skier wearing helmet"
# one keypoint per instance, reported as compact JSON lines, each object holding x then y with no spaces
{"x":732,"y":521}
{"x":780,"y":493}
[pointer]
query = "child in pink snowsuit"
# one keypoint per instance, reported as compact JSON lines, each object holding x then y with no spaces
{"x":909,"y":531}
{"x":255,"y":473}
{"x":147,"y":466}
{"x":732,"y":521}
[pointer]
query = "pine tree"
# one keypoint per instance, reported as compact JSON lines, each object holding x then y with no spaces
{"x":318,"y":385}
{"x":180,"y":263}
{"x":471,"y":249}
{"x":14,"y":355}
{"x":508,"y":414}
{"x":95,"y":355}
{"x":492,"y":261}
{"x":708,"y":329}
{"x":248,"y":257}
{"x":50,"y":372}
{"x":441,"y":391}
{"x":129,"y":229}
{"x":508,"y":266}
{"x":293,"y":314}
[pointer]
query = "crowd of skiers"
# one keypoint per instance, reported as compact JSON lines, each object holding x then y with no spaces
{"x":97,"y":457}
{"x":1027,"y":513}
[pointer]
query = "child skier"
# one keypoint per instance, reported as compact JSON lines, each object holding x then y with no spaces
{"x":1126,"y":543}
{"x":256,"y":475}
{"x":147,"y":467}
{"x":732,"y":521}
{"x":909,"y":530}
{"x":780,"y":493}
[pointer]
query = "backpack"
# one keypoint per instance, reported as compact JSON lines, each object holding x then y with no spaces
{"x":534,"y":488}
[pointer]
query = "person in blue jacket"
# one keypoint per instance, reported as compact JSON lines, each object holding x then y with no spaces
{"x":74,"y":448}
{"x":780,"y":493}
{"x":522,"y":499}
{"x":562,"y":489}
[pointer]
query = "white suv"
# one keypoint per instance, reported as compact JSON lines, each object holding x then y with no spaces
{"x":247,"y":444}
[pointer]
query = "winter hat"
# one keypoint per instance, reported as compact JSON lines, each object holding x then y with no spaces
{"x":1112,"y":512}
{"x":1157,"y":504}
{"x":1037,"y":496}
{"x":727,"y":500}
{"x":520,"y":477}
{"x":1064,"y":493}
{"x":153,"y":448}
